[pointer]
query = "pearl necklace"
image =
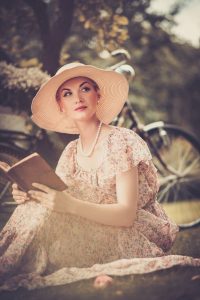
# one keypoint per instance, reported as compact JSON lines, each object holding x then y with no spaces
{"x":94,"y":143}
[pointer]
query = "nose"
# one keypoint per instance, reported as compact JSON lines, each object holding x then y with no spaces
{"x":78,"y":98}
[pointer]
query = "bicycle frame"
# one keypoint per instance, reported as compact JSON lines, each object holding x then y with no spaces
{"x":143,"y":131}
{"x":19,"y":142}
{"x":144,"y":134}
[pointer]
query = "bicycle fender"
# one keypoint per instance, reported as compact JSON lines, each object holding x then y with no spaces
{"x":153,"y":125}
{"x":160,"y":124}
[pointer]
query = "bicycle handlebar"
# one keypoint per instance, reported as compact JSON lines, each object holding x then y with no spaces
{"x":122,"y":67}
{"x":121,"y":51}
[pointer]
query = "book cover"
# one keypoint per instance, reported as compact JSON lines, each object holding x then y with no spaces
{"x":32,"y":168}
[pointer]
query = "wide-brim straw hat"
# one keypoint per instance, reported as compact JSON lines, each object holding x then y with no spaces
{"x":113,"y":88}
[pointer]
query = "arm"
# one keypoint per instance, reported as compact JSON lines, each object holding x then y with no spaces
{"x":121,"y":213}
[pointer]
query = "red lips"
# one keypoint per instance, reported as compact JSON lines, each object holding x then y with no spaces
{"x":80,"y":107}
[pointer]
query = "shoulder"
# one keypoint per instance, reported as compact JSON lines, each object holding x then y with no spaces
{"x":71,"y":145}
{"x":69,"y":149}
{"x":124,"y":140}
{"x":123,"y":131}
{"x":126,"y":135}
{"x":65,"y":160}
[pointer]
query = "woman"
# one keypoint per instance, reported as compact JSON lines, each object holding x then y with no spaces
{"x":108,"y":220}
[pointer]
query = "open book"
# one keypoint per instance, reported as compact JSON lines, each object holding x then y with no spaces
{"x":32,"y":168}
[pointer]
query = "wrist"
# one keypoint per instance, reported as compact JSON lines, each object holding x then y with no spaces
{"x":70,"y":203}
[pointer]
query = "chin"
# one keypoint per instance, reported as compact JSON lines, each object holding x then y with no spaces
{"x":86,"y":117}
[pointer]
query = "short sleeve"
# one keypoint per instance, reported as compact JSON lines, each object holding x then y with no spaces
{"x":65,"y":162}
{"x":128,"y":150}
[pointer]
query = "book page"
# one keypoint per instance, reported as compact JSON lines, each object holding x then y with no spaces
{"x":25,"y":159}
{"x":4,"y":166}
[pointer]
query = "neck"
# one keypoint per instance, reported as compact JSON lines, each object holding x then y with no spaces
{"x":88,"y":131}
{"x":93,"y":144}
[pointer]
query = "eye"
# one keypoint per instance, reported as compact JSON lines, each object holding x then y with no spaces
{"x":66,"y":94}
{"x":86,"y":89}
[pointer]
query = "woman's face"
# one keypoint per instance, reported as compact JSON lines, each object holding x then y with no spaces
{"x":75,"y":93}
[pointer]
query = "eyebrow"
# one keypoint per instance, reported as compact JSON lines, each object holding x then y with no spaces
{"x":83,"y":83}
{"x":66,"y":89}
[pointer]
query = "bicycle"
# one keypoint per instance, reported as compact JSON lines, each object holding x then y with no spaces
{"x":176,"y":153}
{"x":14,"y":145}
{"x":17,"y":144}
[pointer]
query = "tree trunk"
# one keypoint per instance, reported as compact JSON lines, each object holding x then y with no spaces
{"x":54,"y":28}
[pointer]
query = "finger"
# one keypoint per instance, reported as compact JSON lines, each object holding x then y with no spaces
{"x":19,"y":193}
{"x":44,"y":202}
{"x":17,"y":197}
{"x":14,"y":186}
{"x":21,"y":198}
{"x":47,"y":204}
{"x":43,"y":198}
{"x":18,"y":201}
{"x":42,"y":187}
{"x":37,"y":195}
{"x":21,"y":201}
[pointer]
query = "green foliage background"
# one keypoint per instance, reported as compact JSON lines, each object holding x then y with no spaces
{"x":46,"y":34}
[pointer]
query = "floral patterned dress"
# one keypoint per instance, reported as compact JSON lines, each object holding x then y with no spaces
{"x":40,"y":248}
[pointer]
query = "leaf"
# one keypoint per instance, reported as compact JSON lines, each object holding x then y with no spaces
{"x":25,"y":63}
{"x":87,"y":24}
{"x":122,"y":20}
{"x":81,"y":18}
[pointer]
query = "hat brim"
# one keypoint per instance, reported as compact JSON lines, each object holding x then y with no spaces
{"x":113,"y":89}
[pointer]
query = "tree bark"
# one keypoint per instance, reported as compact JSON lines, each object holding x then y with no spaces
{"x":54,"y":28}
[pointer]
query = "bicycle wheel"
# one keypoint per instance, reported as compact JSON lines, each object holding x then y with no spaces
{"x":179,"y":191}
{"x":6,"y":200}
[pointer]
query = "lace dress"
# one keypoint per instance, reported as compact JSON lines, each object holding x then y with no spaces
{"x":40,"y":248}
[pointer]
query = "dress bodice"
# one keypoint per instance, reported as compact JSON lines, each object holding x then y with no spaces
{"x":122,"y":149}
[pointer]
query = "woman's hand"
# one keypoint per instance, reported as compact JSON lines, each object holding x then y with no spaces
{"x":19,"y":196}
{"x":50,"y":198}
